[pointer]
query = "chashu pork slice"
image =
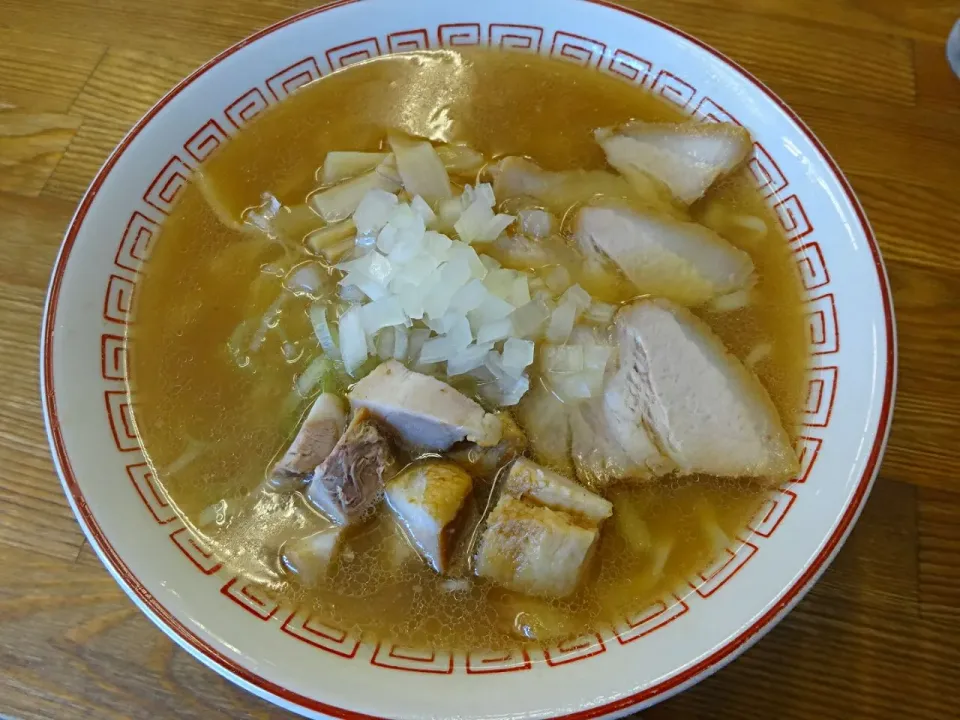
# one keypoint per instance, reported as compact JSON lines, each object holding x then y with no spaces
{"x":349,"y":484}
{"x":541,"y":534}
{"x":686,"y":157}
{"x":707,"y":412}
{"x":313,"y":442}
{"x":424,"y":412}
{"x":427,"y":499}
{"x":558,"y":190}
{"x":683,"y":261}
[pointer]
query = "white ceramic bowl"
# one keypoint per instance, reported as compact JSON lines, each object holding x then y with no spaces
{"x":295,"y":660}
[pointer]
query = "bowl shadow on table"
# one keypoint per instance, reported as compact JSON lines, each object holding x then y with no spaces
{"x":852,"y":646}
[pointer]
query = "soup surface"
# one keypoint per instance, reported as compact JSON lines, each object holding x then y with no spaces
{"x":212,"y":420}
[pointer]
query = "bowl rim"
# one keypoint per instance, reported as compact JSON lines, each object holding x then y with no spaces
{"x":223,"y":664}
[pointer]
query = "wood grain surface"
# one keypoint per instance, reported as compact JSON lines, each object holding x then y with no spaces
{"x":878,"y":637}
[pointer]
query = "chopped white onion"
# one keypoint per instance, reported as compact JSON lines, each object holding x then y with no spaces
{"x":578,"y":297}
{"x":557,"y":279}
{"x":529,"y":320}
{"x":401,"y":342}
{"x":385,"y":343}
{"x":381,"y":314}
{"x":374,"y":210}
{"x":423,"y":209}
{"x":468,"y":359}
{"x":321,"y":328}
{"x":495,"y":331}
{"x":417,"y":338}
{"x":517,"y":355}
{"x":353,"y":340}
{"x":561,"y":323}
{"x":305,"y":279}
{"x":600,"y":313}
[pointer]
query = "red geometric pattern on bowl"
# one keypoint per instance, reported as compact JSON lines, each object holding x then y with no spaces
{"x":822,"y":320}
{"x":113,"y":357}
{"x":730,"y":562}
{"x":117,"y":300}
{"x":576,"y":48}
{"x":670,"y":87}
{"x":821,"y":392}
{"x":166,"y":186}
{"x":574,"y":650}
{"x":135,"y":243}
{"x":772,"y":513}
{"x":398,"y":657}
{"x":246,"y":107}
{"x":487,"y":662}
{"x":459,"y":34}
{"x":354,"y":52}
{"x":200,"y":555}
{"x":813,"y":268}
{"x":251,"y":598}
{"x":807,"y":449}
{"x":153,"y":496}
{"x":516,"y":37}
{"x":637,"y":625}
{"x":120,"y":418}
{"x":793,"y":218}
{"x":632,"y":67}
{"x":710,"y":111}
{"x":206,"y":141}
{"x":303,"y":626}
{"x":407,"y":41}
{"x":770,"y":179}
{"x":292,"y":77}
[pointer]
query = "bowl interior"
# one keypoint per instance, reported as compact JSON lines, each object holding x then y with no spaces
{"x":297,"y":660}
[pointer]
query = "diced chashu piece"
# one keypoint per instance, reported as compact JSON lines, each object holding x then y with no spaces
{"x":542,"y":533}
{"x":485,"y":461}
{"x":313,"y":442}
{"x":312,"y":557}
{"x":427,"y":498}
{"x":423,"y":411}
{"x":707,"y":412}
{"x":349,"y":483}
{"x":686,"y":157}
{"x":683,"y":261}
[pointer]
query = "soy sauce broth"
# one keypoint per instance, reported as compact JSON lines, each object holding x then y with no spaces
{"x":211,"y":428}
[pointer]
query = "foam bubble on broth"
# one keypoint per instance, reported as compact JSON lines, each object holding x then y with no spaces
{"x":203,"y":281}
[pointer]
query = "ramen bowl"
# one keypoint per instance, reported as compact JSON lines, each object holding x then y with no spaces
{"x":293,"y":658}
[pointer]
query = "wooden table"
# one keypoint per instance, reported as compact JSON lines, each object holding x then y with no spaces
{"x":879,"y":636}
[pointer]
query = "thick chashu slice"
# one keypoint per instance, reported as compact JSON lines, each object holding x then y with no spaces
{"x":708,"y":413}
{"x":422,"y":410}
{"x":349,"y":483}
{"x":683,"y":261}
{"x":686,"y":157}
{"x":603,"y":451}
{"x":313,"y":442}
{"x":559,"y":190}
{"x":427,"y":499}
{"x":541,"y":534}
